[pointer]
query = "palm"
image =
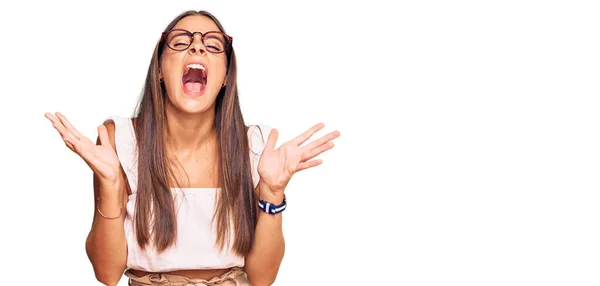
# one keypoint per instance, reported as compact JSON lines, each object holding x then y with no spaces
{"x":102,"y":158}
{"x":276,"y":166}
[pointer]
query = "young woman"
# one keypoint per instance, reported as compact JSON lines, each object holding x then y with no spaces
{"x":185,"y":193}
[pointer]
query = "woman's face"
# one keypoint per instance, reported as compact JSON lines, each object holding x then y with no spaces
{"x":193,"y":77}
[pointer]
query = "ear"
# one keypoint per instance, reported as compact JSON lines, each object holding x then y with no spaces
{"x":225,"y":81}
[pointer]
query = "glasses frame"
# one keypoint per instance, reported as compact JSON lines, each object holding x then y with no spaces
{"x":227,"y":47}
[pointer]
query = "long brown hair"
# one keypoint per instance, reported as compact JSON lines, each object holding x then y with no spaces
{"x":155,"y":217}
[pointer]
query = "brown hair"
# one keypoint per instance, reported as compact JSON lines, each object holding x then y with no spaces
{"x":236,"y":200}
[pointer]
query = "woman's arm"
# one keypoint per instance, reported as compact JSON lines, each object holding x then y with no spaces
{"x":106,"y":245}
{"x":276,"y":167}
{"x":263,"y":261}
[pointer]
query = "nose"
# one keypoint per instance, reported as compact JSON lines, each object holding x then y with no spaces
{"x":197,"y":46}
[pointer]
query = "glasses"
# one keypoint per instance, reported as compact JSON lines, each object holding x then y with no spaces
{"x":180,"y":40}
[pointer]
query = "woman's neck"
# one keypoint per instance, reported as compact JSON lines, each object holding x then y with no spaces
{"x":187,"y":133}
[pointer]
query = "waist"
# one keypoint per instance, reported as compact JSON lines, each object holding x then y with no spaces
{"x":192,"y":273}
{"x":233,"y":275}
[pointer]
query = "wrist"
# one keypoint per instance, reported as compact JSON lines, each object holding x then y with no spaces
{"x":110,"y":198}
{"x":110,"y":192}
{"x":109,"y":184}
{"x":109,"y":209}
{"x":268,"y":195}
{"x":272,"y":208}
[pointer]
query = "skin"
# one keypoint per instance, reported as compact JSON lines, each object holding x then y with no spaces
{"x":192,"y":142}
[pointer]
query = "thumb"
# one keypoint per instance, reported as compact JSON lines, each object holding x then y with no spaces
{"x":103,"y":134}
{"x":272,"y":139}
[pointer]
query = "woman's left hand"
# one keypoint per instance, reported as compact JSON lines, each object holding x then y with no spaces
{"x":276,"y":166}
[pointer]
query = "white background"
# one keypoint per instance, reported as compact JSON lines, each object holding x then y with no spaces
{"x":469,"y":152}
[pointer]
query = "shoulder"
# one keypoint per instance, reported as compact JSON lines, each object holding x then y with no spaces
{"x":260,"y":130}
{"x":258,"y":135}
{"x":110,"y":128}
{"x":120,"y":130}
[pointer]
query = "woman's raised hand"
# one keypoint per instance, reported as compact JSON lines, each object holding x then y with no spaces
{"x":276,"y":166}
{"x":102,"y":158}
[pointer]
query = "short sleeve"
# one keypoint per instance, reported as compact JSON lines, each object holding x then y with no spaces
{"x":257,"y":139}
{"x":126,"y":148}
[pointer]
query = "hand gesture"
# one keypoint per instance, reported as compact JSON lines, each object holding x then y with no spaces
{"x":276,"y":166}
{"x":102,"y":158}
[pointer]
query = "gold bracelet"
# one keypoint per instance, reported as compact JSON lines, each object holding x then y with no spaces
{"x":98,"y":209}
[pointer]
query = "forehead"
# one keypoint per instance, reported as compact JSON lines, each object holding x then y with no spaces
{"x":197,"y":23}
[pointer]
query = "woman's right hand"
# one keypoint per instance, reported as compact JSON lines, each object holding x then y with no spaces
{"x":102,"y":159}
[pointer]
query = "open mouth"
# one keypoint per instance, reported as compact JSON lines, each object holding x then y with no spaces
{"x":194,"y":79}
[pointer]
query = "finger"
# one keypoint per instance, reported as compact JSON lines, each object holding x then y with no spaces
{"x":322,"y":140}
{"x":103,"y":134}
{"x":272,"y":139}
{"x":309,"y":164}
{"x":67,"y":136}
{"x":68,"y":125}
{"x":55,"y":122}
{"x":316,"y":151}
{"x":50,"y":117}
{"x":58,"y":125}
{"x":53,"y":118}
{"x":308,"y":133}
{"x":70,"y":146}
{"x":61,"y":130}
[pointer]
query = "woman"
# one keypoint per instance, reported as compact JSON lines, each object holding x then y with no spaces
{"x":185,"y":192}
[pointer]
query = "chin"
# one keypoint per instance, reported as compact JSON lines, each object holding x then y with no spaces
{"x":195,"y":105}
